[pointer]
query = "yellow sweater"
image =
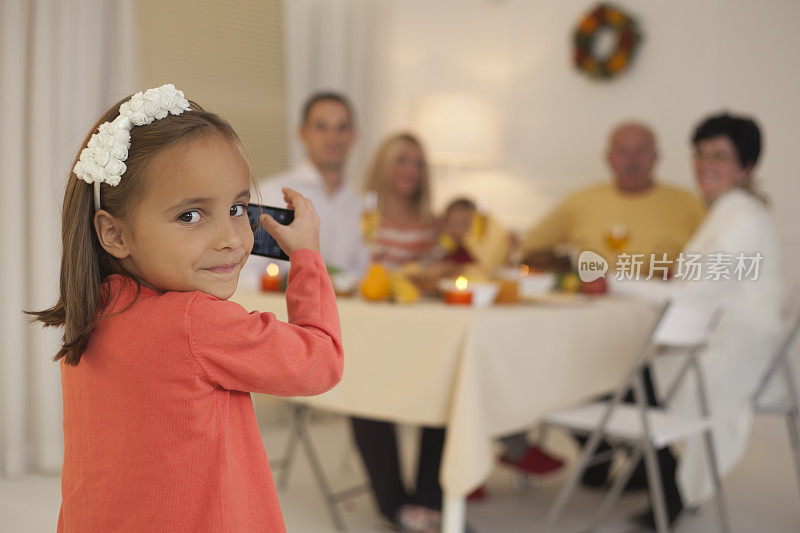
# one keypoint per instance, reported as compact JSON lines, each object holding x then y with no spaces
{"x":605,"y":220}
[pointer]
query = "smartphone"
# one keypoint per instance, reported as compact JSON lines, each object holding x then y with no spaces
{"x":265,"y":245}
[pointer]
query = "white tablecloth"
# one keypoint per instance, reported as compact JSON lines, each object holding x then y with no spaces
{"x":482,"y":373}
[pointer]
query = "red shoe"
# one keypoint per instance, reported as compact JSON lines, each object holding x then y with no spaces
{"x":478,"y":495}
{"x":535,"y":461}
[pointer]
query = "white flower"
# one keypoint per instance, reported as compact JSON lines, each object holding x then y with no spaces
{"x":137,"y":102}
{"x":115,"y":167}
{"x":79,"y":171}
{"x":107,"y":127}
{"x":103,"y":159}
{"x":119,"y":151}
{"x":100,"y":155}
{"x":139,"y":118}
{"x":98,"y":173}
{"x":104,"y":139}
{"x":165,"y":101}
{"x":169,"y":90}
{"x":151,"y":106}
{"x":122,"y":136}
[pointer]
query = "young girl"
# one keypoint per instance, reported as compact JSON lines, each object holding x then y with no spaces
{"x":157,"y":366}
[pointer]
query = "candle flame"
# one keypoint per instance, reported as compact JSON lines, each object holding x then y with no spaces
{"x":273,"y":270}
{"x":524,"y":270}
{"x":461,"y":283}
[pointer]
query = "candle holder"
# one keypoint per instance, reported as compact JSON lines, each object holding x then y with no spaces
{"x":456,"y":297}
{"x":271,"y":279}
{"x":459,"y":294}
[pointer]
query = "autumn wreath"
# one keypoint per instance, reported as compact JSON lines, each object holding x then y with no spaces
{"x":605,"y":16}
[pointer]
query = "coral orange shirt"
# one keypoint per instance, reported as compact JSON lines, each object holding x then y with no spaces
{"x":159,"y":428}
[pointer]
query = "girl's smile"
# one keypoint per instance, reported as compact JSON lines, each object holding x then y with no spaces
{"x":223,"y":269}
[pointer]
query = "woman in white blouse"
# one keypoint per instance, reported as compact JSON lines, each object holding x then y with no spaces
{"x":738,"y":224}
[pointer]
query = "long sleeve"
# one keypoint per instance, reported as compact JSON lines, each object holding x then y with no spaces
{"x":255,"y":352}
{"x":551,"y":231}
{"x":737,"y":225}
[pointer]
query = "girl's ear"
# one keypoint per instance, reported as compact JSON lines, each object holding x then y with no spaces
{"x":109,"y":233}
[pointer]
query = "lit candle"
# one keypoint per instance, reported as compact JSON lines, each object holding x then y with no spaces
{"x":270,"y":280}
{"x":461,"y":295}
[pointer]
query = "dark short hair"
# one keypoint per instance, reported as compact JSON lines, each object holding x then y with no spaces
{"x":459,"y":203}
{"x":326,"y":96}
{"x":742,"y":131}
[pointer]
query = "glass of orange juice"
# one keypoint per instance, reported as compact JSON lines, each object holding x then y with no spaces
{"x":617,"y":237}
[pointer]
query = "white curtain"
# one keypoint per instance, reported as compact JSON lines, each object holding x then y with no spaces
{"x":61,"y":65}
{"x":335,"y":45}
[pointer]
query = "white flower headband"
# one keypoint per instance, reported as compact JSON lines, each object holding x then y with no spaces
{"x":103,"y":159}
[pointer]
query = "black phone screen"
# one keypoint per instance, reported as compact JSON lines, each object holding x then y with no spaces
{"x":265,"y":245}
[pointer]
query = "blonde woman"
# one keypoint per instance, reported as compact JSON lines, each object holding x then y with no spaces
{"x":405,"y":229}
{"x":403,"y":233}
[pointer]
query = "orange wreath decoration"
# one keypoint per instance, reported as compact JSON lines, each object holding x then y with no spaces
{"x":628,"y":37}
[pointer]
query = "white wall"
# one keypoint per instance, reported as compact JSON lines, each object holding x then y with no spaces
{"x":698,"y":56}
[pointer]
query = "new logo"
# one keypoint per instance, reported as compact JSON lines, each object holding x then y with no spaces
{"x":591,"y":266}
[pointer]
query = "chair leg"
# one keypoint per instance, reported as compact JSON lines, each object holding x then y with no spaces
{"x":285,"y":464}
{"x":657,"y":500}
{"x":319,"y":474}
{"x":586,"y":457}
{"x":793,"y":426}
{"x":614,"y":493}
{"x":572,"y":483}
{"x":541,"y":434}
{"x":711,"y":450}
{"x":520,"y":483}
{"x":793,"y":416}
{"x":722,"y":509}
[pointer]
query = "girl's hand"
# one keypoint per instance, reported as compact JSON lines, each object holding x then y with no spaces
{"x":303,"y":232}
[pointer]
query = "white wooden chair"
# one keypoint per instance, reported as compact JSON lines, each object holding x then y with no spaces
{"x":684,"y":324}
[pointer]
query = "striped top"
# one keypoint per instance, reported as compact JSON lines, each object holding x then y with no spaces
{"x":394,"y":245}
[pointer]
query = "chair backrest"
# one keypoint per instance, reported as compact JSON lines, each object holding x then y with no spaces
{"x":784,"y":351}
{"x":686,"y":322}
{"x":791,"y":304}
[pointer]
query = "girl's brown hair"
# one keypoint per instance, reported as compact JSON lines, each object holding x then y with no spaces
{"x":84,"y":262}
{"x":382,"y":165}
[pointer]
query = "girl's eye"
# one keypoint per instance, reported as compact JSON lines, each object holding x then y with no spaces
{"x":238,"y":210}
{"x":189,"y":217}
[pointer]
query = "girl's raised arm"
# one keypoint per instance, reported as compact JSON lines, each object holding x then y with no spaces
{"x":255,"y":352}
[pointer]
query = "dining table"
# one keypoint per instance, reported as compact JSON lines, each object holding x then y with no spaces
{"x":480,"y":372}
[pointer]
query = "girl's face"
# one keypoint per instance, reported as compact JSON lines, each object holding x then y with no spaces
{"x":406,"y":174}
{"x":190,"y":230}
{"x":716,"y":167}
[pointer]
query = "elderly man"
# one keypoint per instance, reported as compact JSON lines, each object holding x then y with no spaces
{"x":632,"y":215}
{"x":327,"y":132}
